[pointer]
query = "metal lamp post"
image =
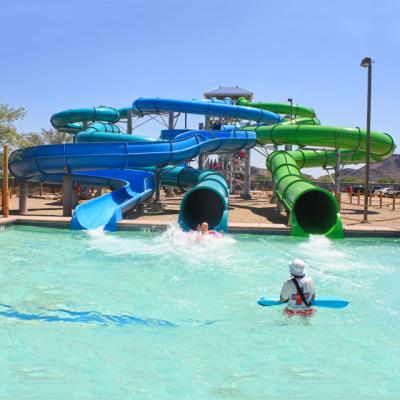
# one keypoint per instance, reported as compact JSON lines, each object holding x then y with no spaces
{"x":367,"y":63}
{"x":290,"y":100}
{"x":288,"y":147}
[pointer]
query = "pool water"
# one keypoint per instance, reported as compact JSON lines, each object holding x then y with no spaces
{"x":161,"y":316}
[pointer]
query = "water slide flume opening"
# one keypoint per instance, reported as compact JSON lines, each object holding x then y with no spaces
{"x":201,"y":205}
{"x":311,"y":210}
{"x":316,"y":211}
{"x":206,"y":200}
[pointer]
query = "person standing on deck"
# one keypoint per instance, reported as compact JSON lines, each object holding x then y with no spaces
{"x":350,"y":191}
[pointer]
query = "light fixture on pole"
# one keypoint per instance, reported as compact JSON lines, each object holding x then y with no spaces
{"x":367,"y":63}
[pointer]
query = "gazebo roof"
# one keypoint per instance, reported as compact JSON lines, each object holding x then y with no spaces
{"x":228,"y":91}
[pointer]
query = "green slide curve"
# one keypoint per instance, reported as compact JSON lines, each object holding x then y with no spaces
{"x":312,"y":210}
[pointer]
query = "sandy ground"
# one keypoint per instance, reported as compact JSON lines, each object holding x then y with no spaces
{"x":257,"y":210}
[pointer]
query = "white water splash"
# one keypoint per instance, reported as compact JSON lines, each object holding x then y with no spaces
{"x":320,"y":247}
{"x":191,"y":246}
{"x":329,"y":259}
{"x":176,"y":236}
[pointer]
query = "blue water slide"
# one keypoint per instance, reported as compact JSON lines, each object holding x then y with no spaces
{"x":71,"y":120}
{"x":211,"y":108}
{"x":102,"y":155}
{"x":77,"y":157}
{"x":106,"y":210}
{"x":128,"y":188}
{"x":43,"y":162}
{"x":101,"y":132}
{"x":206,"y":197}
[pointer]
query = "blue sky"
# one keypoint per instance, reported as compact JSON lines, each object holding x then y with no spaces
{"x":77,"y":53}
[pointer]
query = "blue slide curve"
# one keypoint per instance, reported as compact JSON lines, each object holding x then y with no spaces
{"x":216,"y":108}
{"x":103,"y":154}
{"x":106,"y":210}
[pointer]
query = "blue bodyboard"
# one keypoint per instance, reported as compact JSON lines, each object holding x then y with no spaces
{"x":330,"y":302}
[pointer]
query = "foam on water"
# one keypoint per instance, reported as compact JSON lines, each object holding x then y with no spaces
{"x":112,"y":245}
{"x":319,"y":247}
{"x":327,"y":260}
{"x":192,"y":246}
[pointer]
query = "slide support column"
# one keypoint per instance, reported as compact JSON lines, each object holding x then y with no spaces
{"x":289,"y":147}
{"x":206,"y":127}
{"x":274,"y":198}
{"x":232,"y":173}
{"x":6,"y":194}
{"x":337,"y":176}
{"x":279,"y":206}
{"x":23,"y":197}
{"x":200,"y":157}
{"x":158,"y":185}
{"x":169,"y":191}
{"x":129,"y":127}
{"x":247,"y":165}
{"x":67,"y":195}
{"x":171,"y":120}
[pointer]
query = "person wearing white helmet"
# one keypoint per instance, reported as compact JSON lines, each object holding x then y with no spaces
{"x":299,"y":291}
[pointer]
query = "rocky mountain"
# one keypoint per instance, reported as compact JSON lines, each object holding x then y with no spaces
{"x":389,"y":169}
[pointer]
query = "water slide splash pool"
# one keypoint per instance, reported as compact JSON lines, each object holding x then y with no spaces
{"x":250,"y":352}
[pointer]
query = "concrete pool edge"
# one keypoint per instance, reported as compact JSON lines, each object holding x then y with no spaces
{"x":234,"y":227}
{"x":41,"y":221}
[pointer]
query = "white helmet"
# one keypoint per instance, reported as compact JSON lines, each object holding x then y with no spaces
{"x":296,"y":267}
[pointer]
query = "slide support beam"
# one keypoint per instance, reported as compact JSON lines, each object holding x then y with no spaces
{"x":5,"y":200}
{"x":67,"y":195}
{"x":23,"y":197}
{"x":337,"y":175}
{"x":129,"y":125}
{"x":247,"y":174}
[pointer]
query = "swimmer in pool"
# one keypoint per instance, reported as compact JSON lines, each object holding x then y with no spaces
{"x":204,"y":229}
{"x":298,"y":292}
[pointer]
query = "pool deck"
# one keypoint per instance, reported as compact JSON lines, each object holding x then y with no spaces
{"x":255,"y":216}
{"x":160,"y":225}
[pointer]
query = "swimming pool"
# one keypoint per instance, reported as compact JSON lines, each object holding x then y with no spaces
{"x":158,"y":316}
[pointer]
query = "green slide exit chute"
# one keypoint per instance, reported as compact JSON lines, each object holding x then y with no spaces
{"x":312,"y":210}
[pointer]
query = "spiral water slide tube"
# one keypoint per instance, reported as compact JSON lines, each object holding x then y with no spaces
{"x":207,"y":200}
{"x":129,"y":186}
{"x":101,"y":152}
{"x":312,"y":210}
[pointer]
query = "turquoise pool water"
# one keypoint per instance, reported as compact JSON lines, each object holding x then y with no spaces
{"x":158,"y":316}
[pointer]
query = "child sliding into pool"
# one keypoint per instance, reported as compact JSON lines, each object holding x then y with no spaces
{"x":202,"y":231}
{"x":298,"y":292}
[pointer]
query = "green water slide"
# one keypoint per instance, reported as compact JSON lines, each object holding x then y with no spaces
{"x":312,"y":210}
